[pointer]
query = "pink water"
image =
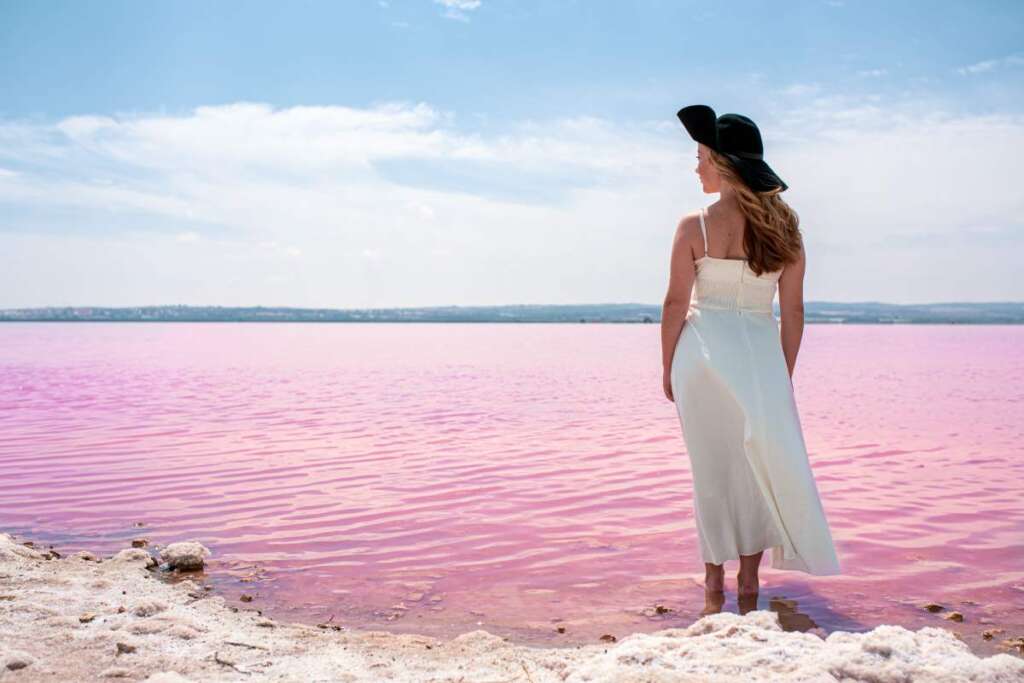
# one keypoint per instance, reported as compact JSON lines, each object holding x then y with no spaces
{"x":516,"y":477}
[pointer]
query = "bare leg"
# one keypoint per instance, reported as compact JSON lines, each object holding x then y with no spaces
{"x":746,"y":580}
{"x":714,"y":577}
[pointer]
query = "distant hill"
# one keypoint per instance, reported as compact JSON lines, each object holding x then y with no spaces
{"x":814,"y":312}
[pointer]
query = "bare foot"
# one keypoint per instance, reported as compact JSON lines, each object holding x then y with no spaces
{"x":713,"y":602}
{"x":746,"y":603}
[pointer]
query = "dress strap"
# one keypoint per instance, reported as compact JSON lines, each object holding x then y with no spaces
{"x":703,"y":231}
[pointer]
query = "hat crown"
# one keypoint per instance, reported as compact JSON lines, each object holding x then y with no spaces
{"x":737,"y":133}
{"x":738,"y":138}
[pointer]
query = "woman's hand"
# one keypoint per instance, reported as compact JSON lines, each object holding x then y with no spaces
{"x":666,"y":384}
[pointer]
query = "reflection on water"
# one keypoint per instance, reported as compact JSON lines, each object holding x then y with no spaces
{"x":514,"y":477}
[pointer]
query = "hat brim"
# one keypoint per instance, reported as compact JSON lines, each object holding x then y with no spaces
{"x":756,"y":173}
{"x":701,"y":123}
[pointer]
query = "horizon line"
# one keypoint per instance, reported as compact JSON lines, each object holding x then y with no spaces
{"x":507,"y":305}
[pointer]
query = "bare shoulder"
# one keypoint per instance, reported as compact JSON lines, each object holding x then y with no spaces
{"x":688,"y":232}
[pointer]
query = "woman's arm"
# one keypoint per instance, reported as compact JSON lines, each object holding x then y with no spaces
{"x":791,"y":308}
{"x":680,"y":287}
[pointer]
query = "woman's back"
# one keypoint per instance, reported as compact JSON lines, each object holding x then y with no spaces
{"x":730,"y":284}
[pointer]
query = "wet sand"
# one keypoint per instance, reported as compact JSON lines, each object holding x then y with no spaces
{"x":81,"y":617}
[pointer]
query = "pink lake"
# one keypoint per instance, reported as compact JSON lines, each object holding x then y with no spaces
{"x":437,"y":478}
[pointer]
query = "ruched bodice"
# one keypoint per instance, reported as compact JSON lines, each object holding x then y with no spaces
{"x":730,"y":284}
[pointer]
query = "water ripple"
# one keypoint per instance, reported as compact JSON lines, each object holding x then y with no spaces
{"x":505,"y":475}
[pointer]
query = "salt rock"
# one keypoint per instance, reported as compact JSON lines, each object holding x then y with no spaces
{"x":116,"y":672}
{"x":185,"y":555}
{"x":182,"y":631}
{"x":479,"y":641}
{"x":147,"y":608}
{"x":719,"y":645}
{"x":134,"y":555}
{"x":85,"y":555}
{"x":147,"y":627}
{"x":11,"y":549}
{"x":16,"y":659}
{"x":187,"y":585}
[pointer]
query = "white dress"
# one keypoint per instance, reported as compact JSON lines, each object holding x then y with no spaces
{"x":753,"y":488}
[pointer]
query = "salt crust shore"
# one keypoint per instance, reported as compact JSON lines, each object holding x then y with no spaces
{"x":169,"y":633}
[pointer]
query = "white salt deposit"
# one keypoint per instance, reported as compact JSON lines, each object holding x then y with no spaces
{"x":79,"y":619}
{"x":185,"y":555}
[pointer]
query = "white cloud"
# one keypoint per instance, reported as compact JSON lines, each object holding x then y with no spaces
{"x":991,"y":65}
{"x":979,"y":67}
{"x":898,"y":202}
{"x":460,"y":4}
{"x":457,"y":9}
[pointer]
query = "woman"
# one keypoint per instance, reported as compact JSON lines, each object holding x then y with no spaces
{"x":728,"y":367}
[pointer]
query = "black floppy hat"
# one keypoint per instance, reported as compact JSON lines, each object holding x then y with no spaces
{"x":736,"y":137}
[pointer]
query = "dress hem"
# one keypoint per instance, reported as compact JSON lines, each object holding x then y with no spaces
{"x":794,"y":564}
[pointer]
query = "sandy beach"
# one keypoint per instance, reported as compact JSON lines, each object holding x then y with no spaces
{"x":83,"y":617}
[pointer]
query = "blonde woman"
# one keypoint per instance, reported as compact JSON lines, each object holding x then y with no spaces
{"x":728,"y":363}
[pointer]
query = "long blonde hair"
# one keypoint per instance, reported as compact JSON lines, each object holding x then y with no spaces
{"x":772,"y":237}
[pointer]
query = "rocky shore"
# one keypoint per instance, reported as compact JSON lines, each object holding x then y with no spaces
{"x":82,"y":618}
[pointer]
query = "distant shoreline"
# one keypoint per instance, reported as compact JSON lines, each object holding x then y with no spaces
{"x":815,"y":312}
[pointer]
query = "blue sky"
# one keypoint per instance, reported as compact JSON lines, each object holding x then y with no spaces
{"x":433,"y":153}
